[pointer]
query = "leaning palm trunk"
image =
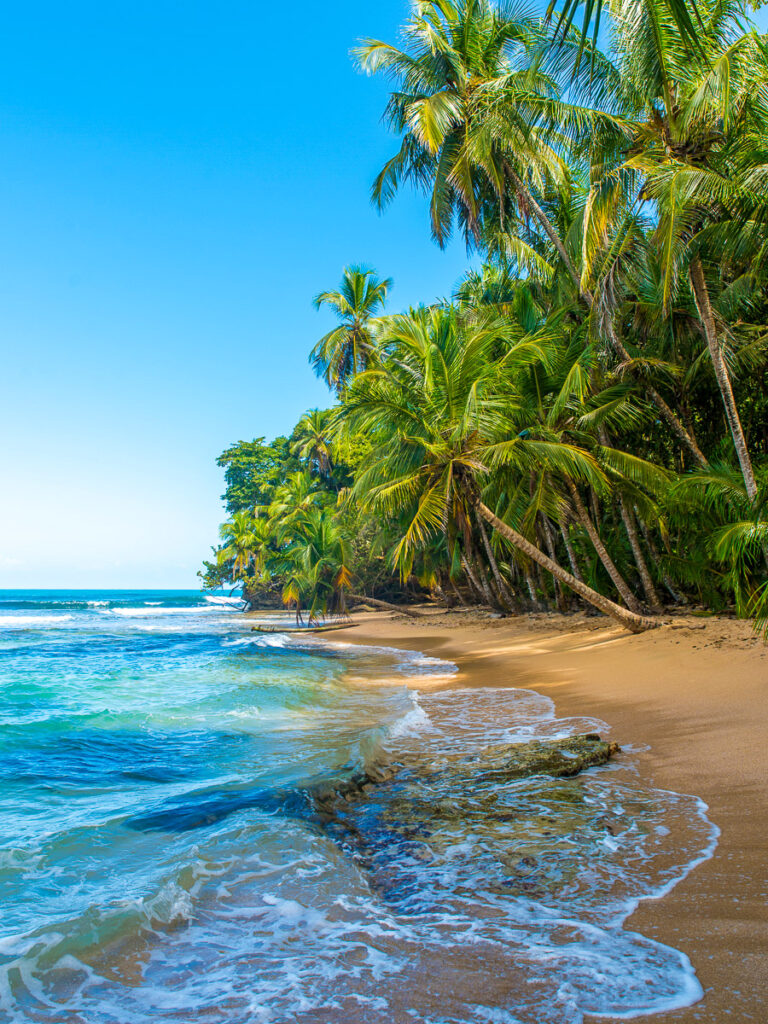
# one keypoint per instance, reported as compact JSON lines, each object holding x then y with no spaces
{"x":701,"y":294}
{"x":619,"y":582}
{"x":504,"y":594}
{"x":570,"y":552}
{"x":673,"y":420}
{"x":642,"y":566}
{"x":634,"y":623}
{"x":474,"y":581}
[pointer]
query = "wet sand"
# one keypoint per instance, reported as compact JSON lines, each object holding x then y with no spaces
{"x":695,"y":694}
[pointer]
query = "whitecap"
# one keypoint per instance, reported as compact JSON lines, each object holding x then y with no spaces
{"x":138,"y":613}
{"x":23,"y":621}
{"x":266,"y":640}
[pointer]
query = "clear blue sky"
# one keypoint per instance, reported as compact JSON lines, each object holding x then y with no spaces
{"x":177,"y":182}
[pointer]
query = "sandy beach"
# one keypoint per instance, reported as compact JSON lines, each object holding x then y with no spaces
{"x":692,"y":695}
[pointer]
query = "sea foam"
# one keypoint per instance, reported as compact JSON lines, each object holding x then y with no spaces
{"x":29,"y":621}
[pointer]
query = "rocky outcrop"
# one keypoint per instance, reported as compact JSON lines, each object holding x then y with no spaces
{"x":493,"y":766}
{"x":412,"y":790}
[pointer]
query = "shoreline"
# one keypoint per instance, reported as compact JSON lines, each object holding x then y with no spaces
{"x":690,"y":699}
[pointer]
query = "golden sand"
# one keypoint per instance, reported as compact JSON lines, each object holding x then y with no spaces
{"x":695,"y":694}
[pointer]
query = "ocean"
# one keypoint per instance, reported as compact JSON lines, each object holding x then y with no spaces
{"x":163,"y":858}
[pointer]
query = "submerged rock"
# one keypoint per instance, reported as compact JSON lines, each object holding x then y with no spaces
{"x":560,"y":758}
{"x":411,"y":792}
{"x":522,"y":800}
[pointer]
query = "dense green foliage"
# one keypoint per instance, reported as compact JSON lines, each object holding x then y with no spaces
{"x":586,"y":420}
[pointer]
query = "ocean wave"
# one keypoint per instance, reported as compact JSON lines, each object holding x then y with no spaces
{"x":27,"y":621}
{"x":10,"y":601}
{"x":413,"y":722}
{"x":145,"y":612}
{"x":264,"y":640}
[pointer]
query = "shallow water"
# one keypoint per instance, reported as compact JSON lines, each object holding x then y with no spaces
{"x":159,"y":859}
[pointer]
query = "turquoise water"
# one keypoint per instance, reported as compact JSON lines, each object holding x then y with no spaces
{"x":161,"y":858}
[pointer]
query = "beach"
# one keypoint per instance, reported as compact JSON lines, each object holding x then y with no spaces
{"x":690,"y":700}
{"x":201,"y":821}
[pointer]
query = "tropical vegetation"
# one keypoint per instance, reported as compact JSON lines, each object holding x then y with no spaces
{"x":584,"y":423}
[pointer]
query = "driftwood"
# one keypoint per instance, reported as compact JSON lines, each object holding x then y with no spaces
{"x":386,"y":605}
{"x":304,"y":629}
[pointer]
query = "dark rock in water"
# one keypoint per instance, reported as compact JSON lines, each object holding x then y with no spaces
{"x":558,"y":758}
{"x":414,"y":792}
{"x":494,"y":766}
{"x":398,"y":818}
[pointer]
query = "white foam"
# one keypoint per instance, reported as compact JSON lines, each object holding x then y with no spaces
{"x":143,"y":613}
{"x":222,"y":599}
{"x":302,"y":931}
{"x":24,"y":621}
{"x":414,"y":721}
{"x":265,"y":640}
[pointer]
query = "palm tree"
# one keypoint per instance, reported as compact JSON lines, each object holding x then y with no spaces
{"x":441,"y":413}
{"x":244,"y":540}
{"x":315,"y":564}
{"x":728,"y":558}
{"x":463,"y":102}
{"x":692,"y":119}
{"x":481,"y":120}
{"x":349,"y":348}
{"x":312,"y":441}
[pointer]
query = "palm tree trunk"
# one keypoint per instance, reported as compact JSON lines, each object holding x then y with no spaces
{"x":531,"y":590}
{"x":684,"y":436}
{"x":471,"y":577}
{"x":677,"y":597}
{"x":550,"y":545}
{"x":504,"y":593}
{"x":570,"y":552}
{"x":619,"y":582}
{"x":483,"y":576}
{"x":634,"y":623}
{"x":701,"y":294}
{"x":642,"y":567}
{"x":668,"y":414}
{"x":549,"y":230}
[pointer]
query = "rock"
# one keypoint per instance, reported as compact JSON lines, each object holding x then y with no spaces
{"x":558,"y":758}
{"x":396,"y":818}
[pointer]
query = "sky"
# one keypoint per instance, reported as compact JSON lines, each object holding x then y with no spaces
{"x":177,"y":181}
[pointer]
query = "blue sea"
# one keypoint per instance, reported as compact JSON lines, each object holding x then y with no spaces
{"x":163,"y":857}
